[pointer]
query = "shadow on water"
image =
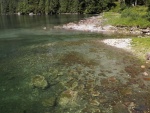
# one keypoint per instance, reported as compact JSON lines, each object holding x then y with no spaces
{"x":58,"y":71}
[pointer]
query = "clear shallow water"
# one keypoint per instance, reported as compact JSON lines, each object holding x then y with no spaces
{"x":25,"y":51}
{"x":60,"y":71}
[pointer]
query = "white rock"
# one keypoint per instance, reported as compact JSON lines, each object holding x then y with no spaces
{"x":119,"y":43}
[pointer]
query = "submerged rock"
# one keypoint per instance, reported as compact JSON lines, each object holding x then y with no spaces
{"x":49,"y":102}
{"x":94,"y":103}
{"x":120,"y":108}
{"x":39,"y":81}
{"x":68,"y":97}
{"x":143,"y":66}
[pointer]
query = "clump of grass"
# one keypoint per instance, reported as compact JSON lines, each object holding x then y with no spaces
{"x":110,"y":20}
{"x":141,"y":42}
{"x":134,"y":12}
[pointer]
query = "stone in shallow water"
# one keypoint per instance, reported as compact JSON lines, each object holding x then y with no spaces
{"x":95,"y":93}
{"x":120,"y":108}
{"x":146,"y":78}
{"x":39,"y":81}
{"x":145,"y":73}
{"x":126,"y":91}
{"x":68,"y":97}
{"x":49,"y":102}
{"x":94,"y":102}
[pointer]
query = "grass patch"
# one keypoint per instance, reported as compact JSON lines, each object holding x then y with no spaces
{"x":134,"y":16}
{"x":141,"y":46}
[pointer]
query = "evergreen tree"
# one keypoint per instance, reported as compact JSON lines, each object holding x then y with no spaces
{"x":74,"y":6}
{"x":4,"y":6}
{"x":41,"y":6}
{"x":47,"y":9}
{"x":53,"y":7}
{"x":82,"y":6}
{"x":23,"y":6}
{"x":63,"y":6}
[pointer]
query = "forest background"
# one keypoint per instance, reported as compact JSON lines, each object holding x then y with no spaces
{"x":65,"y":6}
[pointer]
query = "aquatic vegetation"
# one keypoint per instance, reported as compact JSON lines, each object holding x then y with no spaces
{"x":68,"y":98}
{"x":79,"y":77}
{"x":49,"y":102}
{"x":39,"y":81}
{"x":94,"y":102}
{"x":93,"y":50}
{"x":133,"y":70}
{"x":73,"y":57}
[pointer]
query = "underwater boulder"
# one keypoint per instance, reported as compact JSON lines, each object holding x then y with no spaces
{"x":39,"y":81}
{"x":68,"y":97}
{"x":49,"y":102}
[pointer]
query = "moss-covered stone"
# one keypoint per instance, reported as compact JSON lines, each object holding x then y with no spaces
{"x":49,"y":102}
{"x":39,"y":81}
{"x":68,"y":97}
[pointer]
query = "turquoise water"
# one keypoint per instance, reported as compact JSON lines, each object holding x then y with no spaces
{"x":64,"y":71}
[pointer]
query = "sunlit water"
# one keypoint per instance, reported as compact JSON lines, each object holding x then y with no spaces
{"x":61,"y":71}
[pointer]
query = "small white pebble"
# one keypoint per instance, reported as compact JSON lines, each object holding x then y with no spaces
{"x":143,"y":66}
{"x":145,"y":74}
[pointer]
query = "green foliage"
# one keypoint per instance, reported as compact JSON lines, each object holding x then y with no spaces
{"x":141,"y":42}
{"x":41,"y":6}
{"x":141,"y":46}
{"x":129,"y":13}
{"x":54,"y":6}
{"x":148,"y":16}
{"x":74,"y":6}
{"x":118,"y":20}
{"x":134,"y":12}
{"x":47,"y":9}
{"x":115,"y":7}
{"x":63,"y":6}
{"x":133,"y":16}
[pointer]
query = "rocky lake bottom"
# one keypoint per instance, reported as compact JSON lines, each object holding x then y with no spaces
{"x":46,"y":70}
{"x":74,"y":76}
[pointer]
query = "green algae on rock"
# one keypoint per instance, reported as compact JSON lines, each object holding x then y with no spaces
{"x":49,"y":102}
{"x":73,"y":57}
{"x":39,"y":81}
{"x":68,"y":97}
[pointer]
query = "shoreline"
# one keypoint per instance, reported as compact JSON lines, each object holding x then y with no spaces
{"x":96,"y":24}
{"x":91,"y":24}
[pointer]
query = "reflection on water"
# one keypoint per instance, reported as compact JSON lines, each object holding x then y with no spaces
{"x":58,"y":71}
{"x":24,"y":21}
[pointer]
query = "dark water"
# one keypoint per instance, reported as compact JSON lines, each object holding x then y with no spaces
{"x":64,"y":71}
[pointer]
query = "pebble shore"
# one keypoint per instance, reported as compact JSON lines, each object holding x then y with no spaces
{"x":95,"y":24}
{"x":119,"y":43}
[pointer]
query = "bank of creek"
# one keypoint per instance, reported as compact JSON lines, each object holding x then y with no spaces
{"x":70,"y":71}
